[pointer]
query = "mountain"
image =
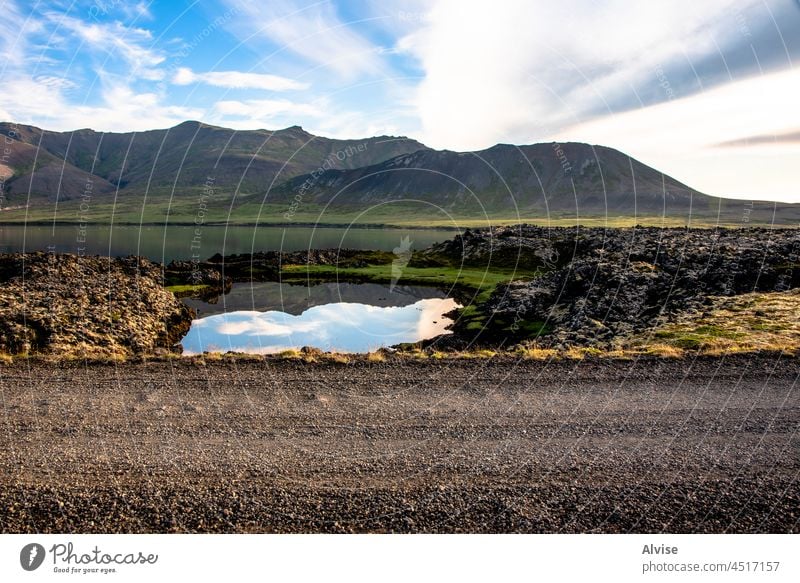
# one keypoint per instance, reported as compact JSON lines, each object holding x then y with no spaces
{"x":571,"y":177}
{"x":198,"y":172}
{"x":25,"y":169}
{"x":572,"y":182}
{"x":184,"y":157}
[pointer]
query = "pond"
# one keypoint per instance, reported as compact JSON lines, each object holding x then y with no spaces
{"x":266,"y":318}
{"x":163,"y":244}
{"x":296,"y":299}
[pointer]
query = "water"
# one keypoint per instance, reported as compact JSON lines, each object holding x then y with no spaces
{"x":163,"y":244}
{"x":338,"y":327}
{"x":264,"y":318}
{"x":295,"y":299}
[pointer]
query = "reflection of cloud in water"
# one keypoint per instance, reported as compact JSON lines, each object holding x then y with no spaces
{"x":343,"y":327}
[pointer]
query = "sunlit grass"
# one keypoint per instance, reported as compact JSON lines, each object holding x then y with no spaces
{"x":745,"y":323}
{"x":479,"y":279}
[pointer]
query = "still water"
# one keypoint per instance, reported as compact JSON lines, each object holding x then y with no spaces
{"x":339,"y":327}
{"x":265,"y":318}
{"x":296,"y":299}
{"x":163,"y":244}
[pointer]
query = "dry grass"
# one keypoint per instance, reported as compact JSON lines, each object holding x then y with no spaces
{"x":478,"y":353}
{"x":336,"y":357}
{"x":295,"y":354}
{"x":83,"y":352}
{"x":616,"y":354}
{"x":664,"y":351}
{"x":413,"y":354}
{"x":536,"y":353}
{"x":581,"y":352}
{"x":753,"y":322}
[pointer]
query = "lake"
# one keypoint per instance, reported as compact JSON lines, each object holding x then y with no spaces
{"x":163,"y":244}
{"x":266,"y":318}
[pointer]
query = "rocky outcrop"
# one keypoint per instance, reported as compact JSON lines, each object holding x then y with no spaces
{"x":601,"y":284}
{"x":71,"y":306}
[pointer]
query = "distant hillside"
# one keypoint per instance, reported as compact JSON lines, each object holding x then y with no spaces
{"x":196,"y":171}
{"x":573,"y":178}
{"x":26,"y":168}
{"x":184,"y":156}
{"x":574,"y":181}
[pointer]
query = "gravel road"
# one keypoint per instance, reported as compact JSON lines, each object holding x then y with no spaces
{"x":707,"y":445}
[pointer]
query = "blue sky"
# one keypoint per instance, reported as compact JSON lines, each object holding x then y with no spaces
{"x":705,"y":91}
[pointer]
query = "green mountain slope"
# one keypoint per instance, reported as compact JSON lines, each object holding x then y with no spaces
{"x":192,"y":154}
{"x":198,"y":173}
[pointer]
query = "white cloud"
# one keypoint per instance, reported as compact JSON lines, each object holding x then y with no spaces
{"x":132,"y":45}
{"x":16,"y":30}
{"x":314,"y":32}
{"x":54,"y":82}
{"x":41,"y":103}
{"x":518,"y":70}
{"x":683,"y":137}
{"x":38,"y":96}
{"x":138,"y":11}
{"x":237,"y":80}
{"x":263,"y":111}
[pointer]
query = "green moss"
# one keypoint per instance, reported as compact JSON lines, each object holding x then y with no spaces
{"x":694,"y":338}
{"x":717,"y":332}
{"x":768,"y":327}
{"x":480,"y":280}
{"x":187,"y":290}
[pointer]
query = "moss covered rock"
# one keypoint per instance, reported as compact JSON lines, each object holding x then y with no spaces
{"x":97,"y":307}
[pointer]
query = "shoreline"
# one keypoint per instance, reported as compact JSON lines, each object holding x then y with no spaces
{"x":556,"y":223}
{"x":371,"y":226}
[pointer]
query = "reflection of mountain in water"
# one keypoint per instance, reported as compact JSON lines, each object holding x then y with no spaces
{"x":295,"y":299}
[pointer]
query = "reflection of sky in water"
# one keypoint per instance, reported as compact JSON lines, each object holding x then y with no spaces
{"x":340,"y":327}
{"x":296,"y":299}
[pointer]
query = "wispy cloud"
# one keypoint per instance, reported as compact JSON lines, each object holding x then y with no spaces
{"x":250,"y":113}
{"x":16,"y":30}
{"x":115,"y":40}
{"x":490,"y":79}
{"x":238,"y":80}
{"x":681,"y":137}
{"x":314,"y":32}
{"x":763,"y":139}
{"x":121,"y":108}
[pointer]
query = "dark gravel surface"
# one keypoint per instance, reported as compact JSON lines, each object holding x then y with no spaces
{"x":705,"y":445}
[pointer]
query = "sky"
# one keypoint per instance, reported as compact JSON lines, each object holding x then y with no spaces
{"x":705,"y":91}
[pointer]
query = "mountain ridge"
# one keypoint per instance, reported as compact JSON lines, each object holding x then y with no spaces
{"x":290,"y":175}
{"x":185,"y":155}
{"x":533,"y":176}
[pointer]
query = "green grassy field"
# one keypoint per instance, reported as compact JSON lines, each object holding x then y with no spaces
{"x":160,"y":207}
{"x":479,"y":280}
